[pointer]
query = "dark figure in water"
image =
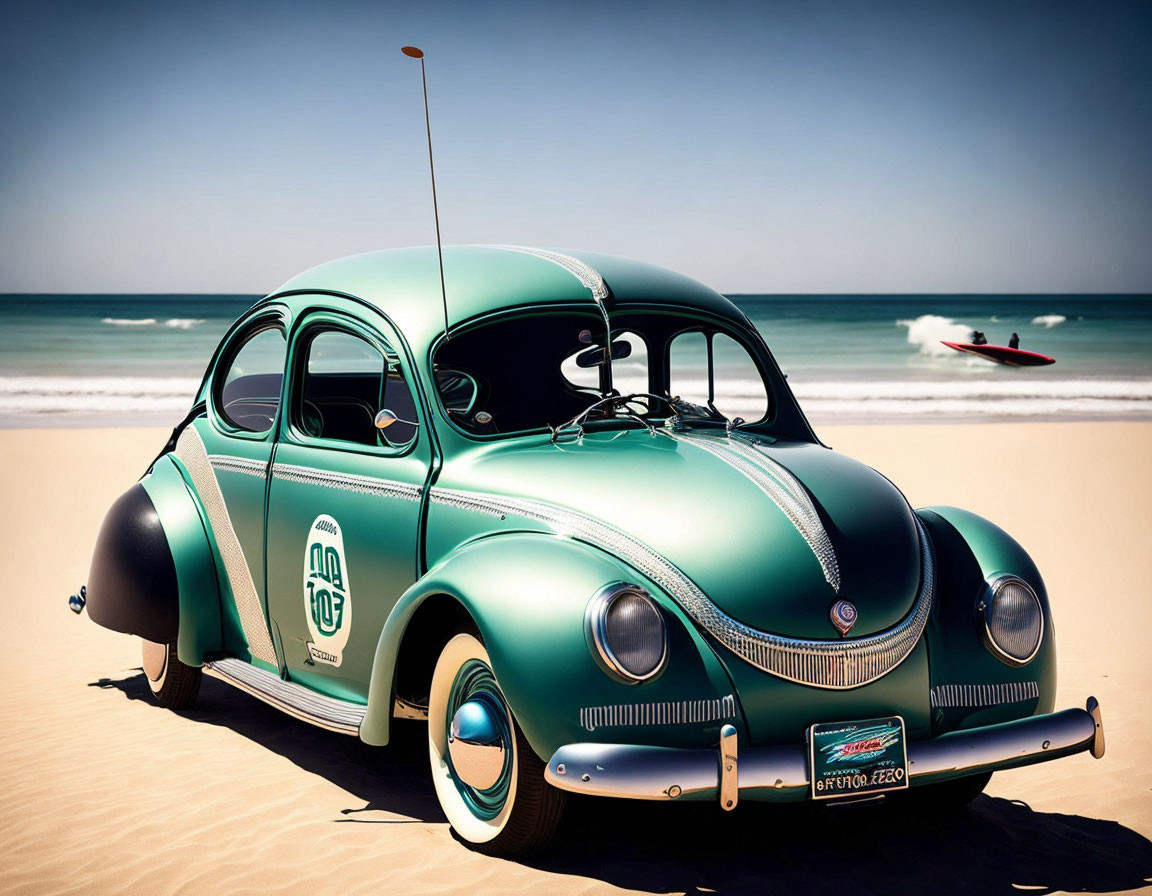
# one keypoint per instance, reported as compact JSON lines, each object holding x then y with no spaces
{"x":978,"y":338}
{"x":1014,"y":342}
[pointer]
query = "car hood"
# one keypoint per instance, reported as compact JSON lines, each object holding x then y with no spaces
{"x":774,"y":533}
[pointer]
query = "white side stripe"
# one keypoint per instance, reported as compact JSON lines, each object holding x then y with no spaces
{"x":190,"y":451}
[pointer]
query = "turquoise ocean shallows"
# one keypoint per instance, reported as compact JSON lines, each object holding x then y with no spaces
{"x":77,"y":360}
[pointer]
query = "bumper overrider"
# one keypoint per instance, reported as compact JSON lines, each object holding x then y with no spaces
{"x":781,"y":773}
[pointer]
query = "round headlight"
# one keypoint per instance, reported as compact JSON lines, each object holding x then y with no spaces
{"x":626,"y":630}
{"x":1013,"y":620}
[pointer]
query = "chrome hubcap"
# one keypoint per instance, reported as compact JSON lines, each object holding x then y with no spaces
{"x":476,"y":744}
{"x":479,"y":735}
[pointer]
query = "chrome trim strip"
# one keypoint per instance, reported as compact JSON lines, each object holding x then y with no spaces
{"x":834,"y":665}
{"x":245,"y":465}
{"x":585,"y":273}
{"x":190,"y":451}
{"x":365,"y":485}
{"x":302,"y":703}
{"x":682,"y":712}
{"x":781,"y":487}
{"x":660,"y":773}
{"x":953,"y":696}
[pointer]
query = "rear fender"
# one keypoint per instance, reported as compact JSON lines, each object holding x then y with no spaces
{"x":153,"y":573}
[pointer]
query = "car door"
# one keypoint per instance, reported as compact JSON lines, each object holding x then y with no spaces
{"x":227,"y":454}
{"x":344,"y":502}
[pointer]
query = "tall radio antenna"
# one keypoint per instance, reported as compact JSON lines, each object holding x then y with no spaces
{"x":417,"y":53}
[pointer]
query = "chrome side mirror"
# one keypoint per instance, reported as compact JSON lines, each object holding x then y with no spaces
{"x":386,"y":418}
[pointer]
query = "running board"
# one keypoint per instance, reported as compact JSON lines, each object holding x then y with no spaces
{"x":308,"y":706}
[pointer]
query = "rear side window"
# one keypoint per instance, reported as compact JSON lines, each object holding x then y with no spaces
{"x":713,"y":369}
{"x":347,"y":381}
{"x":249,"y":397}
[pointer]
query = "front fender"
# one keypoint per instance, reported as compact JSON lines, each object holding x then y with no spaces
{"x":971,"y":552}
{"x":527,"y":593}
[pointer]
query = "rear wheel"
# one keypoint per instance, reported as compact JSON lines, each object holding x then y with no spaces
{"x":173,"y":684}
{"x":488,"y":780}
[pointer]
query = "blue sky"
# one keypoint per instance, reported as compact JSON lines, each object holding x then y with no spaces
{"x":768,"y":147}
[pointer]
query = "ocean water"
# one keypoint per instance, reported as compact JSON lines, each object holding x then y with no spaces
{"x":137,"y":360}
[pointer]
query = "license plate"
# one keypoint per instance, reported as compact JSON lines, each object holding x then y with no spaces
{"x":850,"y":758}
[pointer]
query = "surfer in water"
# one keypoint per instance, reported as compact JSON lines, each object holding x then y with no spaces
{"x":978,"y":338}
{"x":1014,"y":342}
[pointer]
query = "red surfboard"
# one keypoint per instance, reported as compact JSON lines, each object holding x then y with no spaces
{"x":1001,"y":354}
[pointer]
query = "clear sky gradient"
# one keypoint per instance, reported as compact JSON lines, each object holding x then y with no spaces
{"x":761,"y":147}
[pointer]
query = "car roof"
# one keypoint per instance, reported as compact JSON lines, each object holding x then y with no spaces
{"x":405,"y":284}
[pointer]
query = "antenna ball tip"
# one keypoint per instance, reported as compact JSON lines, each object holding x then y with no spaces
{"x":414,"y":52}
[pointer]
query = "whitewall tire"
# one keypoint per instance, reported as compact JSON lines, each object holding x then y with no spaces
{"x":508,"y":808}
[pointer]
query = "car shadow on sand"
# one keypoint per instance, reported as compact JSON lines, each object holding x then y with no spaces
{"x":995,"y":846}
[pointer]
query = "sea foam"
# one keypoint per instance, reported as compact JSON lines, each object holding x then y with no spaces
{"x":927,"y":331}
{"x":129,"y":321}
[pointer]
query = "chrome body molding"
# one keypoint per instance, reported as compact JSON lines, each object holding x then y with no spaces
{"x":682,"y":712}
{"x":953,"y":696}
{"x":781,"y":487}
{"x":781,"y":773}
{"x":364,"y":485}
{"x":833,"y":665}
{"x":303,"y":703}
{"x":190,"y":451}
{"x":582,"y":271}
{"x":245,"y":465}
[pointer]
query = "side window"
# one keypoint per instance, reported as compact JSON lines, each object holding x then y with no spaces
{"x":740,"y":390}
{"x":736,"y":385}
{"x":346,"y":381}
{"x":250,"y":394}
{"x":688,"y":368}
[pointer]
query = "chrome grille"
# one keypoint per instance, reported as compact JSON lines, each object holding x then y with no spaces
{"x":951,"y":696}
{"x":682,"y":712}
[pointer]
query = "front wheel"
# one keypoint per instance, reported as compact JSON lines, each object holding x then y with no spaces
{"x":173,"y":684}
{"x":488,"y":780}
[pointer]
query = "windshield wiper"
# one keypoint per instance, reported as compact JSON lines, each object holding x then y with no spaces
{"x":575,"y":426}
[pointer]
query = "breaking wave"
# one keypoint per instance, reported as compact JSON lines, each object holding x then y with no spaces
{"x":1048,"y":321}
{"x":129,"y":321}
{"x":1079,"y":398}
{"x":927,"y":330}
{"x":154,"y":399}
{"x":176,"y":323}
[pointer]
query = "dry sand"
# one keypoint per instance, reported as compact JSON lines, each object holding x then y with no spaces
{"x":102,"y":792}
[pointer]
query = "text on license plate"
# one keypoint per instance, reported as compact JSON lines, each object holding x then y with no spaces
{"x":847,"y":758}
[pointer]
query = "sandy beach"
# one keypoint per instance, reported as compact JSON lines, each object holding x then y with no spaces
{"x":103,"y":792}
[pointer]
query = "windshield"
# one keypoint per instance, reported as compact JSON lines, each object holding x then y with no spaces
{"x":538,"y":370}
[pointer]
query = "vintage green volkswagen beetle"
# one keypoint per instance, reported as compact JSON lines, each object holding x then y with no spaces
{"x":549,"y":531}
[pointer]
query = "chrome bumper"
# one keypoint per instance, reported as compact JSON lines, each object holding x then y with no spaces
{"x":781,"y":773}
